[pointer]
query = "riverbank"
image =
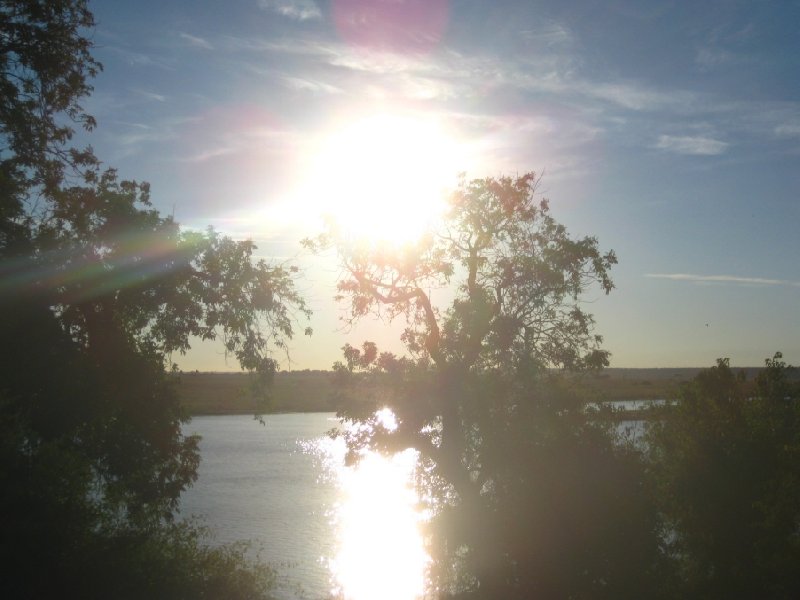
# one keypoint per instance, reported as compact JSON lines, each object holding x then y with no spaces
{"x":310,"y":391}
{"x":229,"y":393}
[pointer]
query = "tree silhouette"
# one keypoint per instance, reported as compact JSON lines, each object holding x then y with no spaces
{"x":97,"y":290}
{"x":475,"y":396}
{"x":725,"y":460}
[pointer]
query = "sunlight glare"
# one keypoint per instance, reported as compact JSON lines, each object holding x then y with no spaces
{"x":381,"y":552}
{"x":386,"y":419}
{"x":383,"y":179}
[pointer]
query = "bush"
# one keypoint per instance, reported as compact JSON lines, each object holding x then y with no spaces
{"x":726,"y":462}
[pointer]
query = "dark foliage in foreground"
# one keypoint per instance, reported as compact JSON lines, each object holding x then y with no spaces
{"x":726,"y":460}
{"x":96,"y":290}
{"x":90,"y":475}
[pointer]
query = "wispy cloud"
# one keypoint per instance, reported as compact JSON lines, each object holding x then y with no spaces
{"x":791,"y":129}
{"x":566,"y":106}
{"x":135,"y":138}
{"x":727,"y":43}
{"x":195,"y":41}
{"x":696,"y":145}
{"x":550,"y":68}
{"x":139,"y":59}
{"x":302,"y":10}
{"x":709,"y":58}
{"x":141,"y":136}
{"x":309,"y":85}
{"x":550,"y":35}
{"x":554,"y":71}
{"x":208,"y":154}
{"x":140,"y":126}
{"x":633,"y":96}
{"x":151,"y":95}
{"x":244,"y":135}
{"x":722,"y":279}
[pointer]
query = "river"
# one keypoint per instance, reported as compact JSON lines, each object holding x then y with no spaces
{"x":274,"y":484}
{"x":329,"y":531}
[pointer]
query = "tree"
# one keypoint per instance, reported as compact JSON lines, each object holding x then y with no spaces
{"x":97,"y":291}
{"x":45,"y":71}
{"x":475,"y":396}
{"x":725,"y":458}
{"x":517,"y":272}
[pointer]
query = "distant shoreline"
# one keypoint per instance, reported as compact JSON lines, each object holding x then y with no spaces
{"x":206,"y":394}
{"x":203,"y":394}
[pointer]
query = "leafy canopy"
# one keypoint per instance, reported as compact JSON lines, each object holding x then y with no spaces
{"x":725,"y":461}
{"x":492,"y":302}
{"x":97,"y":290}
{"x":516,"y":273}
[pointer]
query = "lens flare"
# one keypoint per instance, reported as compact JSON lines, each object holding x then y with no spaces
{"x":410,"y":26}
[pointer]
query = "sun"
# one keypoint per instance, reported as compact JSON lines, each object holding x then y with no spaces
{"x":383,"y":178}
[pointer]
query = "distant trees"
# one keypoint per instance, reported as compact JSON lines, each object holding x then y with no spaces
{"x":726,"y":463}
{"x":97,"y":290}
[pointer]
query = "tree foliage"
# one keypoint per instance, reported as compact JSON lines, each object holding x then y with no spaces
{"x":46,"y":68}
{"x":97,"y":291}
{"x":726,"y":458}
{"x":531,"y":497}
{"x":517,"y":272}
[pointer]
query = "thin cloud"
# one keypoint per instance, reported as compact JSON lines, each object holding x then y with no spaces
{"x":555,"y":75}
{"x":208,"y":154}
{"x":633,"y":96}
{"x":196,"y":42}
{"x":310,"y":85}
{"x":301,"y":10}
{"x":138,"y":59}
{"x":151,"y":95}
{"x":698,"y":145}
{"x":788,"y":129}
{"x":707,"y":59}
{"x":550,"y":35}
{"x":134,"y":125}
{"x":449,"y":74}
{"x":722,"y":279}
{"x":142,"y":136}
{"x":228,"y":139}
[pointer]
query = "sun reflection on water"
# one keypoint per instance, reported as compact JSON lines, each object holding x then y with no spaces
{"x":380,"y":549}
{"x":380,"y":552}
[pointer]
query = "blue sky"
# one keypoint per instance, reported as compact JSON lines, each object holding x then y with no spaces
{"x":669,"y":130}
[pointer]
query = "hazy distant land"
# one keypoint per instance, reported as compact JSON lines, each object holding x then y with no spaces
{"x":310,"y":391}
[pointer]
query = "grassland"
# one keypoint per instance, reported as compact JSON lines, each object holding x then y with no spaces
{"x":229,"y":393}
{"x":310,"y":391}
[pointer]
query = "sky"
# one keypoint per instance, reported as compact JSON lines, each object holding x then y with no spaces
{"x":668,"y":130}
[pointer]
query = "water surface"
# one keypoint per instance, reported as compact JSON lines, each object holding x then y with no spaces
{"x":266,"y":483}
{"x":329,"y":530}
